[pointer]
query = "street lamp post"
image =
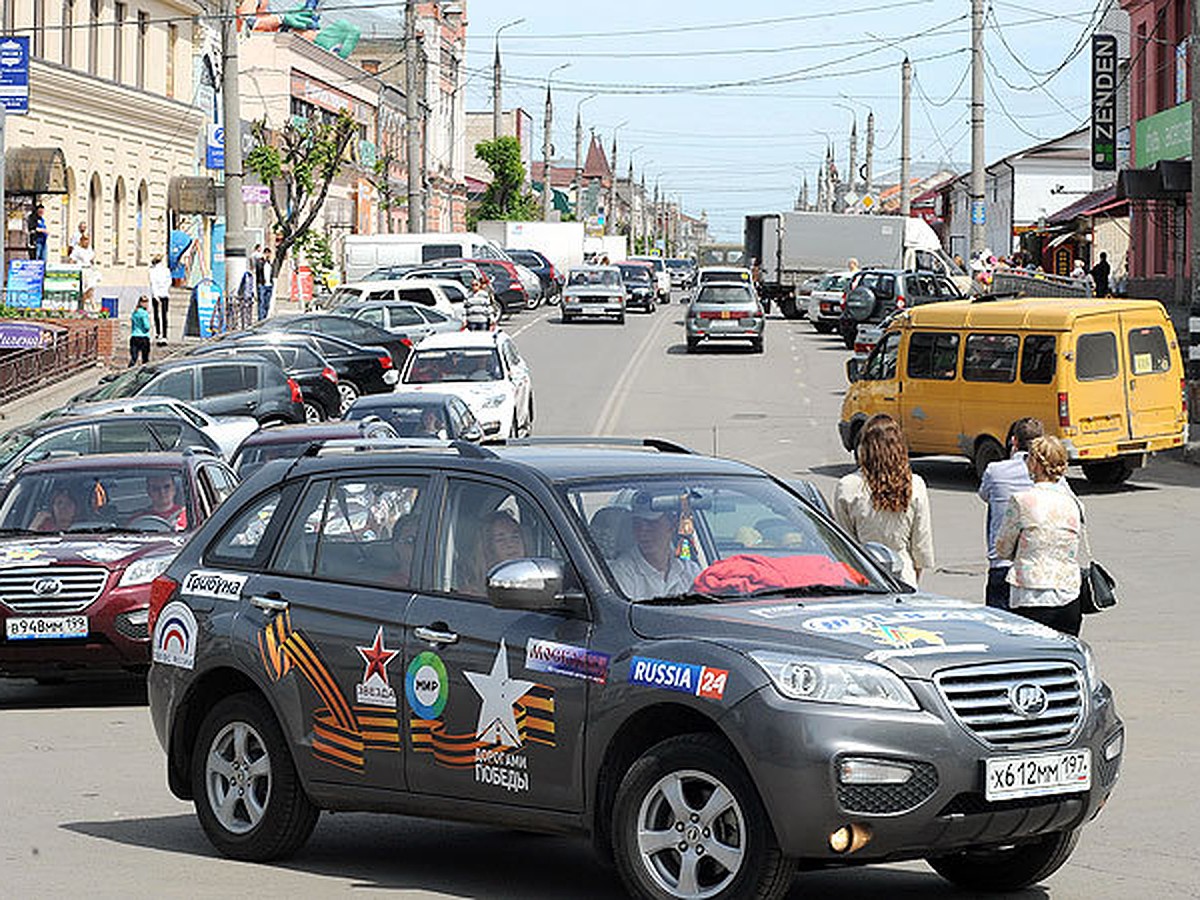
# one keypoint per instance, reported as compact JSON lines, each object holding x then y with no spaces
{"x":547,"y":190}
{"x":579,"y":155}
{"x":496,"y":72}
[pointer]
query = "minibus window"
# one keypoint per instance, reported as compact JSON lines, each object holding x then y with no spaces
{"x":991,"y":357}
{"x":1148,"y":350}
{"x":881,"y":365}
{"x":1096,"y":356}
{"x":932,"y":355}
{"x":1037,"y":362}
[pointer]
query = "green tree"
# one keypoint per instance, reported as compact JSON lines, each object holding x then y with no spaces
{"x":298,"y":163}
{"x":380,"y":179}
{"x":505,"y":197}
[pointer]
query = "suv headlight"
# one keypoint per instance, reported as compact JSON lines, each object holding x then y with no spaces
{"x":1091,"y":673}
{"x":835,"y":681}
{"x":144,"y":570}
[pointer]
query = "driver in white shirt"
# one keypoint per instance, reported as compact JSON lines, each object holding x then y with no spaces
{"x":650,"y":567}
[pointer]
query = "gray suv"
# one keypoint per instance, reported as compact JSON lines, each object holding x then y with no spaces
{"x":672,"y":654}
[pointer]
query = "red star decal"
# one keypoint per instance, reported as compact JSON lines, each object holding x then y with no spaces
{"x":376,"y":657}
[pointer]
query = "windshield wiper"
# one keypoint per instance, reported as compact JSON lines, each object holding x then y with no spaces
{"x":814,"y":590}
{"x":101,"y":529}
{"x":683,"y":599}
{"x":5,"y":532}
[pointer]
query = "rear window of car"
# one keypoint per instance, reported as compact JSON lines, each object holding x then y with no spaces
{"x":526,"y":259}
{"x":440,"y":251}
{"x":932,"y":355}
{"x":635,"y":273}
{"x":832,"y":283}
{"x":724,"y":293}
{"x":1038,"y":359}
{"x":991,"y":357}
{"x":1096,"y":356}
{"x":416,"y":295}
{"x":1148,"y":351}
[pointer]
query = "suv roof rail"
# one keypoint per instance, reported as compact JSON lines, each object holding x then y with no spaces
{"x":650,"y":443}
{"x":426,"y":445}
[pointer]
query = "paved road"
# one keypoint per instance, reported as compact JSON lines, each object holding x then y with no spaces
{"x":84,"y":795}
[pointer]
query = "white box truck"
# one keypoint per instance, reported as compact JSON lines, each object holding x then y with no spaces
{"x":361,"y":253}
{"x":791,"y":247}
{"x":559,"y":242}
{"x":614,"y":246}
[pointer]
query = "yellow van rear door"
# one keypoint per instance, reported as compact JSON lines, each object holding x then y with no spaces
{"x":1096,"y":395}
{"x":1152,"y":376}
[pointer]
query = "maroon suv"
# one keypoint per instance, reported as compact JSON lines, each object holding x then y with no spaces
{"x":81,"y":539}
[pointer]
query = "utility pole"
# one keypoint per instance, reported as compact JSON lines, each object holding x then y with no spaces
{"x":547,"y":190}
{"x":905,"y":138}
{"x":578,"y":162}
{"x":632,"y":217}
{"x":978,"y":177}
{"x":235,"y":210}
{"x":853,"y":173}
{"x":497,"y":124}
{"x":1193,"y":358}
{"x":412,"y":120}
{"x":868,"y":172}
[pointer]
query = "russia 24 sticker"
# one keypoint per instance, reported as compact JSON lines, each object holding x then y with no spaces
{"x":174,"y":641}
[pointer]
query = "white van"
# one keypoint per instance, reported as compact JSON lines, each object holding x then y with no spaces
{"x":362,"y":253}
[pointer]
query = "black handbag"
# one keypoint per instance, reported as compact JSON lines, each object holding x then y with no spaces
{"x":1097,"y":587}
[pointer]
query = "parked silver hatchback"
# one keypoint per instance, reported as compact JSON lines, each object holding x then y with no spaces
{"x":722,"y":312}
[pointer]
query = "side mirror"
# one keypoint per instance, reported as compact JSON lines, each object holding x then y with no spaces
{"x":853,"y":369}
{"x":472,"y":433}
{"x":532,"y":585}
{"x":886,"y":558}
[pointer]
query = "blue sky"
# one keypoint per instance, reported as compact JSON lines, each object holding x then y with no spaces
{"x":742,"y":147}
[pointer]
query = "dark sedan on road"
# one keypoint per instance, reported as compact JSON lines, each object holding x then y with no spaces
{"x":81,"y":540}
{"x":638,"y":278}
{"x":317,"y":378}
{"x":347,"y":329}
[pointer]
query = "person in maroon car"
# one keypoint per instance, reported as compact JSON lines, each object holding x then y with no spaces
{"x":61,"y":514}
{"x":161,"y":489}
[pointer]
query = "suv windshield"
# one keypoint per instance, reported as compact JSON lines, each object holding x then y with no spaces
{"x":435,"y":366}
{"x":97,"y":500}
{"x":717,"y":538}
{"x":724,"y":293}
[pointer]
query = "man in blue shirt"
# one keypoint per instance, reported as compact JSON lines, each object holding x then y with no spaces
{"x":1001,"y":480}
{"x":38,"y":232}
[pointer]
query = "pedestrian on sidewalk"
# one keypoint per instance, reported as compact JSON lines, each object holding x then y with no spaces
{"x":139,"y":332}
{"x":160,"y":296}
{"x":1100,"y":275}
{"x":263,"y":276}
{"x":84,"y":256}
{"x":477,"y":308}
{"x":1001,"y":481}
{"x":885,"y":501}
{"x":1040,"y":533}
{"x":39,"y":234}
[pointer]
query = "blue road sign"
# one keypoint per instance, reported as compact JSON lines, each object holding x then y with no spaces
{"x":14,"y":74}
{"x":214,"y":151}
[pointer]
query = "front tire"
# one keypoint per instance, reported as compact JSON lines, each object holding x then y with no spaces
{"x":1008,"y":869}
{"x":248,"y":796}
{"x":687,"y":822}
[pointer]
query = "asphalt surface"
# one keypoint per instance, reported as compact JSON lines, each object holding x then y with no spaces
{"x":86,"y":808}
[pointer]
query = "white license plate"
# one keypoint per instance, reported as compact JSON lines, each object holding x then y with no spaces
{"x":1013,"y":777}
{"x":34,"y":628}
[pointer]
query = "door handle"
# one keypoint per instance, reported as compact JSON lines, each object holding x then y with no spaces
{"x":435,"y":635}
{"x":269,"y":603}
{"x":890,"y":399}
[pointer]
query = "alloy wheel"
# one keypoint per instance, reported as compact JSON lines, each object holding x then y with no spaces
{"x":238,"y":777}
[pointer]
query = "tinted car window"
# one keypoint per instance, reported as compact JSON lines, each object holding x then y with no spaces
{"x":991,"y":357}
{"x":217,"y":380}
{"x":179,"y":384}
{"x":69,"y":440}
{"x":125,"y":437}
{"x":440,"y":251}
{"x":404,"y":315}
{"x":372,"y":314}
{"x":1096,"y":356}
{"x":932,"y":355}
{"x":1038,"y":359}
{"x":1148,"y":351}
{"x":416,"y":295}
{"x":239,"y":541}
{"x":724,"y":293}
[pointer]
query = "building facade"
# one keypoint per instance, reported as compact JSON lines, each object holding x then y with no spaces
{"x":111,"y":87}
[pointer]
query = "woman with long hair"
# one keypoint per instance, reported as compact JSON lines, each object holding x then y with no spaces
{"x":884,"y":501}
{"x":1040,"y":533}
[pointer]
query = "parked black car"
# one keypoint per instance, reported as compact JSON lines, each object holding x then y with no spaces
{"x":292,"y":441}
{"x":317,"y":377}
{"x":468,"y":634}
{"x":224,"y":387}
{"x":362,"y":333}
{"x":536,"y":262}
{"x":360,"y":370}
{"x":103,"y":433}
{"x":418,"y":414}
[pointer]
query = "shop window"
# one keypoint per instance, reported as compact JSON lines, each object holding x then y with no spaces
{"x":118,"y":219}
{"x":140,"y":224}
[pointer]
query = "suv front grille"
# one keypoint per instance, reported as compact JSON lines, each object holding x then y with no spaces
{"x":979,"y":698}
{"x":78,"y":586}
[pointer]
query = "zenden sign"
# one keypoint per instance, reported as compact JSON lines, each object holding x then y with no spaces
{"x":1104,"y":102}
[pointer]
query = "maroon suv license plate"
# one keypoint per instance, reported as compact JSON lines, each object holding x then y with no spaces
{"x":46,"y":627}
